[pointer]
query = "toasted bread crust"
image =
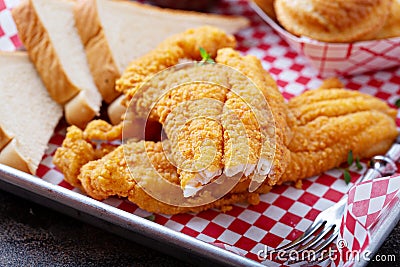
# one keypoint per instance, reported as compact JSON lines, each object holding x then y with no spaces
{"x":37,"y":41}
{"x":98,"y":52}
{"x":78,"y":111}
{"x":116,"y":110}
{"x":11,"y":157}
{"x":4,"y":138}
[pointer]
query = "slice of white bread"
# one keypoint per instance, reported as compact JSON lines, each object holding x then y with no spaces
{"x":116,"y":32}
{"x":47,"y":30}
{"x":28,"y":114}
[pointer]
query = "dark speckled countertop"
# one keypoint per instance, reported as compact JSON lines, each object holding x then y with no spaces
{"x":33,"y":235}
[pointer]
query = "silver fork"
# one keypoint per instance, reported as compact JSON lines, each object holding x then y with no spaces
{"x":325,"y":228}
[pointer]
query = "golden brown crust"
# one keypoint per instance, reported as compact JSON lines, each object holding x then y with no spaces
{"x":325,"y":142}
{"x":333,"y":21}
{"x":146,"y":202}
{"x":335,"y":102}
{"x":330,"y":123}
{"x":73,"y":154}
{"x":101,"y":63}
{"x":41,"y":51}
{"x":251,"y":67}
{"x":330,"y":83}
{"x":78,"y":149}
{"x":101,"y":130}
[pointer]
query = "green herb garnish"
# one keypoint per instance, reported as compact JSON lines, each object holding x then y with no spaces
{"x":358,"y":164}
{"x":347,"y":176}
{"x":151,"y":217}
{"x":350,"y":158}
{"x":397,"y":103}
{"x":350,"y":162}
{"x":205,"y":57}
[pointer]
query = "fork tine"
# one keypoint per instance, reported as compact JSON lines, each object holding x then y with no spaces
{"x":316,"y":239}
{"x":310,"y":230}
{"x":322,"y":246}
{"x":327,"y":241}
{"x":318,"y":249}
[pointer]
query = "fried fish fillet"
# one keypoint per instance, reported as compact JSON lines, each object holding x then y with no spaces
{"x":318,"y":144}
{"x":330,"y":123}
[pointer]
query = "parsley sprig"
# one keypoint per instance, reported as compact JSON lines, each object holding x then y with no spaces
{"x":397,"y":103}
{"x":205,"y":57}
{"x":151,"y":217}
{"x":350,"y":162}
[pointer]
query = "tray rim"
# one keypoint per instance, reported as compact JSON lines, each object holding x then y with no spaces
{"x":138,"y":225}
{"x":120,"y":218}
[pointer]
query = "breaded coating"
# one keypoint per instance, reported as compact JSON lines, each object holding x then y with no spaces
{"x":77,"y":148}
{"x":332,"y":122}
{"x":102,"y":130}
{"x":73,"y":154}
{"x":275,"y":127}
{"x":267,"y":148}
{"x":145,"y":100}
{"x":190,"y":115}
{"x":169,"y":52}
{"x":242,"y":136}
{"x":325,"y":142}
{"x":334,"y":102}
{"x":112,"y":178}
{"x":330,"y":83}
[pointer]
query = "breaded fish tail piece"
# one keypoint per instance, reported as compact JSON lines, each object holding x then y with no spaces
{"x":256,"y":100}
{"x":190,"y":115}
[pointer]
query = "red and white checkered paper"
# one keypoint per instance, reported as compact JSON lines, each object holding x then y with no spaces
{"x":366,"y":203}
{"x":285,"y":212}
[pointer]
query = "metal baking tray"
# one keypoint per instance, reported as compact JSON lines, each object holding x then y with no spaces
{"x":138,"y":229}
